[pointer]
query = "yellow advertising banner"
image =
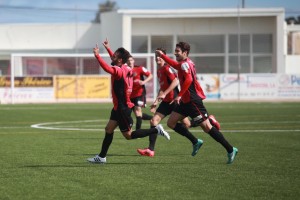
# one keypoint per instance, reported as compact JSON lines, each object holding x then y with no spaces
{"x":27,"y":81}
{"x":83,"y":87}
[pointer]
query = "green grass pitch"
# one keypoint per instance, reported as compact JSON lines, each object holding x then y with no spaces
{"x":50,"y":163}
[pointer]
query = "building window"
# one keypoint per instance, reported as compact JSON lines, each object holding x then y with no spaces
{"x":262,"y":43}
{"x":293,"y":43}
{"x":262,"y":64}
{"x":262,"y":50}
{"x":209,"y":64}
{"x":218,"y":53}
{"x":234,"y":64}
{"x":4,"y":67}
{"x":244,"y":44}
{"x":204,"y":43}
{"x":139,"y":44}
{"x":165,"y":42}
{"x":259,"y":47}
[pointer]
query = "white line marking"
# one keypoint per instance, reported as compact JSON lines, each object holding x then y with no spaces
{"x":12,"y":127}
{"x":277,"y":122}
{"x":49,"y":126}
{"x":44,"y":126}
{"x":258,"y":131}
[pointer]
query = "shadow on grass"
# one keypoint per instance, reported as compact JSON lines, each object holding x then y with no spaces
{"x":87,"y":164}
{"x":79,"y":138}
{"x":137,"y":162}
{"x":130,"y":155}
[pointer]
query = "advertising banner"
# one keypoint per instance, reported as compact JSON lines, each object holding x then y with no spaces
{"x":288,"y":86}
{"x":210,"y":84}
{"x":27,"y":95}
{"x":84,"y":87}
{"x":27,"y":82}
{"x":26,"y":89}
{"x":259,"y":86}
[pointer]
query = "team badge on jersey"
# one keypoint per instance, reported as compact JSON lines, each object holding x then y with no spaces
{"x":185,"y":66}
{"x":144,"y":69}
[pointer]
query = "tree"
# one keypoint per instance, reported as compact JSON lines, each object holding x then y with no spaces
{"x":107,"y":6}
{"x":293,"y":20}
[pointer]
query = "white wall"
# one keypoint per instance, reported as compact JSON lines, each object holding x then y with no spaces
{"x":48,"y":36}
{"x":112,"y":29}
{"x":202,"y":25}
{"x":292,"y":64}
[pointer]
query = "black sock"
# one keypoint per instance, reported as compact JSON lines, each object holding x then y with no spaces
{"x":146,"y":116}
{"x":105,"y":144}
{"x":182,"y":130}
{"x":152,"y":140}
{"x":138,"y":123}
{"x":140,"y":133}
{"x":218,"y":136}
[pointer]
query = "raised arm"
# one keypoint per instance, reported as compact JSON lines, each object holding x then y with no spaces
{"x":102,"y":63}
{"x":107,"y":47}
{"x":173,"y":63}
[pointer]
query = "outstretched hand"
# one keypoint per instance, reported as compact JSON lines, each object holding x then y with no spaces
{"x":96,"y":50}
{"x":176,"y":100}
{"x":161,"y":96}
{"x":158,"y":53}
{"x":106,"y":43}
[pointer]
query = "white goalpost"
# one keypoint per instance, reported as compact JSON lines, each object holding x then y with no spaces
{"x":39,"y":78}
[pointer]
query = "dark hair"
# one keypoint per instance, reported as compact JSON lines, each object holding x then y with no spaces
{"x":162,"y":49}
{"x":184,"y":47}
{"x":124,"y":54}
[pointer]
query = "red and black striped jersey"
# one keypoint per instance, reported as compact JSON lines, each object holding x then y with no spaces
{"x":121,"y":83}
{"x":190,"y":87}
{"x":138,"y":75}
{"x":166,"y":75}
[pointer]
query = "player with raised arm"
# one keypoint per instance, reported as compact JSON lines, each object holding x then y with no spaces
{"x":190,"y":101}
{"x":168,"y":81}
{"x":121,"y":88}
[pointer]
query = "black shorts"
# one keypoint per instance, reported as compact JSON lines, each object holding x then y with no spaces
{"x":139,"y":101}
{"x":123,"y":117}
{"x":195,"y":110}
{"x":165,"y":108}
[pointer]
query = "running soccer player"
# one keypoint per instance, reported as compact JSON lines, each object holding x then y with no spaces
{"x":190,"y":101}
{"x":121,"y":88}
{"x":168,"y":81}
{"x":138,"y":95}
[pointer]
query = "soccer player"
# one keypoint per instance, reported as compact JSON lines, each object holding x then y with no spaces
{"x":138,"y":95}
{"x":168,"y":82}
{"x":121,"y":88}
{"x":190,"y":101}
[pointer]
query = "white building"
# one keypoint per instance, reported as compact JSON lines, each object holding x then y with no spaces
{"x":214,"y":35}
{"x":223,"y":41}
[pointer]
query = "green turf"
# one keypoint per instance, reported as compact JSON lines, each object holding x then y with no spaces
{"x":51,"y":164}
